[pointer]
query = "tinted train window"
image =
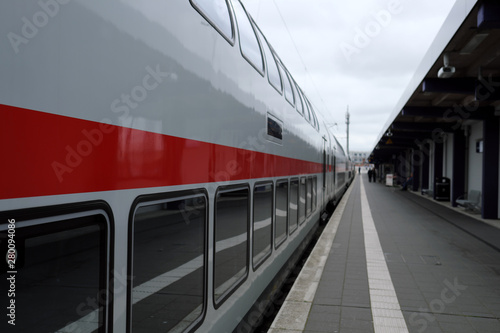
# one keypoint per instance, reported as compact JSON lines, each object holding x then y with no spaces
{"x":231,"y":241}
{"x":272,"y":67}
{"x":308,"y":110}
{"x":302,"y":200}
{"x":287,"y":84}
{"x":168,"y":263}
{"x":248,"y":40}
{"x":262,"y":222}
{"x":59,"y":276}
{"x":300,"y":107}
{"x":309,"y":198}
{"x":274,"y":128}
{"x":281,"y":212}
{"x":334,"y":170}
{"x":316,"y":123}
{"x":294,"y":204}
{"x":315,"y":193}
{"x":217,"y":13}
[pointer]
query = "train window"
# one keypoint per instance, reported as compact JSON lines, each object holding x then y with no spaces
{"x":325,"y":159}
{"x":308,"y":110}
{"x":287,"y":84}
{"x":302,"y":200}
{"x":294,"y":204}
{"x":250,"y":48}
{"x":262,"y":222}
{"x":274,"y":129}
{"x":60,"y":269}
{"x":316,"y":122}
{"x":334,"y":170}
{"x":281,"y":212}
{"x":314,"y":119}
{"x":273,"y":73}
{"x":309,"y":198}
{"x":300,"y":107}
{"x":217,"y":13}
{"x":168,"y":248}
{"x":231,"y":241}
{"x":315,"y":193}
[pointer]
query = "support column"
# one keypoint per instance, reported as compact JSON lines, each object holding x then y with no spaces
{"x":425,"y":166}
{"x":416,"y":161}
{"x":438,"y":164}
{"x":458,"y":181}
{"x":489,"y":200}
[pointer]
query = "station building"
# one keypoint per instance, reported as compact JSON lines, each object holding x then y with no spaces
{"x":359,"y":157}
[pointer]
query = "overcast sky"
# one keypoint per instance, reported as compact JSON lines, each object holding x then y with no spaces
{"x":360,"y":53}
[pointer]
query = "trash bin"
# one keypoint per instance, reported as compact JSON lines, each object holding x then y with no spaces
{"x":442,"y":189}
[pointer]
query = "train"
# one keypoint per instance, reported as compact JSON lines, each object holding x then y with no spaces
{"x":162,"y":168}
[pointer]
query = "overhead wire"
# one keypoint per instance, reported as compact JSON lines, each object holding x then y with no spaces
{"x":300,"y":56}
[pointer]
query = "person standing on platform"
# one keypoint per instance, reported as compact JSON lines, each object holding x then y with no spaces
{"x":370,"y":174}
{"x":374,"y":175}
{"x":409,"y":181}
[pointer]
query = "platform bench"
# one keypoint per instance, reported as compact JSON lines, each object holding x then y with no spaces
{"x":472,"y":202}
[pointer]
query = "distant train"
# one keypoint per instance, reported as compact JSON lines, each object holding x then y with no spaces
{"x":162,"y":169}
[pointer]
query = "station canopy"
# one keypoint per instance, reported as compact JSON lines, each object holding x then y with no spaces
{"x":453,"y":86}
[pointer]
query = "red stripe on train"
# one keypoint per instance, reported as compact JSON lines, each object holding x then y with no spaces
{"x":47,"y":154}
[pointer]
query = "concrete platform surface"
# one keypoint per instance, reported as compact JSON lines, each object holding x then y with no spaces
{"x":392,"y":261}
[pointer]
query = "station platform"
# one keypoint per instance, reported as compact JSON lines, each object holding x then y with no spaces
{"x":393,"y":261}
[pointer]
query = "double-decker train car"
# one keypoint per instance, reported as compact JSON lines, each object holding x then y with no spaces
{"x":162,"y":169}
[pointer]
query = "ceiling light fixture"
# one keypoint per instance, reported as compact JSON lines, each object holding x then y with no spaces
{"x":474,"y":43}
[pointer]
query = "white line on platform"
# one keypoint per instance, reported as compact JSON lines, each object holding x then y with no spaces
{"x":386,"y":311}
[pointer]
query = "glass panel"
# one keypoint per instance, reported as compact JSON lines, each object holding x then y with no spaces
{"x":287,"y":84}
{"x":294,"y":204}
{"x":274,"y":127}
{"x":308,"y":110}
{"x":248,"y":40}
{"x":272,"y":68}
{"x":168,"y":264}
{"x":309,"y":196}
{"x":231,"y":240}
{"x":315,"y":119}
{"x":334,"y":170}
{"x":315,"y":193}
{"x":302,"y":200}
{"x":300,"y":107}
{"x":217,"y":13}
{"x":281,"y":212}
{"x":59,"y":274}
{"x":262,"y":222}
